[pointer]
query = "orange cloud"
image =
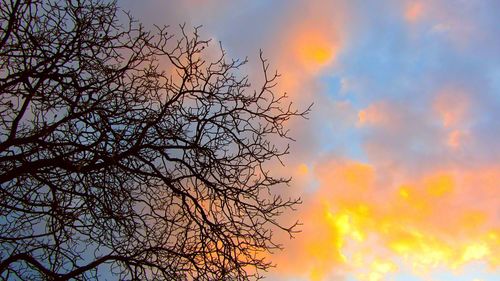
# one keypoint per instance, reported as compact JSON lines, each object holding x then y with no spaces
{"x":371,"y":115}
{"x":315,"y":48}
{"x":310,"y":41}
{"x":358,"y":223}
{"x":379,"y":114}
{"x":413,"y":11}
{"x":307,"y":48}
{"x":303,"y":170}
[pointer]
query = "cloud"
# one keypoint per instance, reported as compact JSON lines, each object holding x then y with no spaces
{"x":360,"y":222}
{"x":452,"y":105}
{"x":379,"y":114}
{"x":413,"y":11}
{"x":398,"y":164}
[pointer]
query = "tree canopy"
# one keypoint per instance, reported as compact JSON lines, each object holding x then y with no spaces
{"x":132,"y":153}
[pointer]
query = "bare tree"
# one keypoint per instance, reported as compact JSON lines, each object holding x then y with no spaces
{"x":131,"y":154}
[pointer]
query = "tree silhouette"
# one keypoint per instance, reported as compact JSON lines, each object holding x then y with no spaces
{"x":129,"y":153}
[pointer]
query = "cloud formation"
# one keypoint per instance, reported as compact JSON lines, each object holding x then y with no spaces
{"x":399,"y":164}
{"x":361,"y":222}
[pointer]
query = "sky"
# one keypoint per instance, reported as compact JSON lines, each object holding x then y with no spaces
{"x":398,"y":164}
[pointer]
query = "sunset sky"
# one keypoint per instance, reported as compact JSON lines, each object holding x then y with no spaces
{"x":398,"y":165}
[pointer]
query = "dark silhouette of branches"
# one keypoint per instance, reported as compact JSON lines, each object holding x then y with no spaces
{"x":129,"y":153}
